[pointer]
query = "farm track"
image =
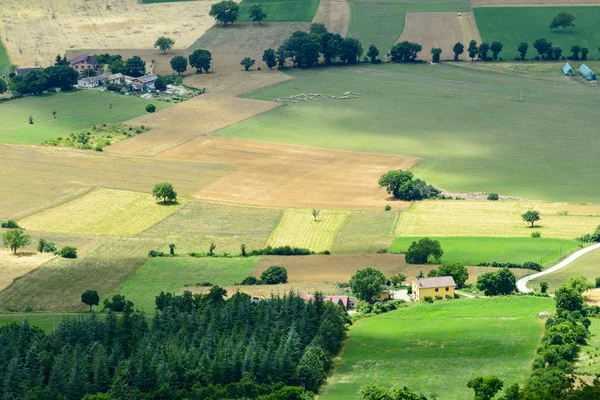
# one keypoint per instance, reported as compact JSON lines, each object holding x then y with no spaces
{"x":522,"y":283}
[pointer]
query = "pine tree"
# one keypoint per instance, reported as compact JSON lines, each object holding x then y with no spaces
{"x":14,"y":385}
{"x":100,"y":371}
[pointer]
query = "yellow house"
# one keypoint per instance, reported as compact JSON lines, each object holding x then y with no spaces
{"x":438,"y":286}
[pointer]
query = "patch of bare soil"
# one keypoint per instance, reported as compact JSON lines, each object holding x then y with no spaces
{"x":592,"y":297}
{"x":335,"y":14}
{"x":439,"y":29}
{"x":14,"y":266}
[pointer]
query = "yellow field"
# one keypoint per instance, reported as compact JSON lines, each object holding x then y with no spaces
{"x":13,"y":267}
{"x":298,"y":228}
{"x":102,"y":212}
{"x":500,"y":218}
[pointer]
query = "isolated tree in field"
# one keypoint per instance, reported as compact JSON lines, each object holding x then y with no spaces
{"x":543,"y":286}
{"x":172,"y":249}
{"x":270,"y":58}
{"x":584,"y":53}
{"x":405,"y":51}
{"x":562,"y":20}
{"x":473,"y":49}
{"x":135,"y":67}
{"x":315,"y":213}
{"x":458,"y":49}
{"x":15,"y":239}
{"x":435,"y":54}
{"x":274,"y":275}
{"x":179,"y":64}
{"x":373,"y":53}
{"x":150,"y":108}
{"x":496,"y":48}
{"x":164,"y":193}
{"x":575,"y":50}
{"x":247,"y":63}
{"x":568,"y":299}
{"x":164,"y":43}
{"x":200,"y":59}
{"x":556,"y":53}
{"x":522,"y":49}
{"x":531,"y":216}
{"x":211,"y":249}
{"x":68,"y":252}
{"x":483,"y":51}
{"x":256,"y":13}
{"x":3,"y":86}
{"x":367,"y":283}
{"x":542,"y":46}
{"x":402,"y":186}
{"x":420,"y":251}
{"x":226,"y":11}
{"x":91,"y":298}
{"x":485,"y":387}
{"x":160,"y":84}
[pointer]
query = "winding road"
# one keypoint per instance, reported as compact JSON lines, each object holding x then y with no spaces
{"x":522,"y":283}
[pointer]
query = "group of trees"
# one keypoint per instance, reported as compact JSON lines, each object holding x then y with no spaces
{"x":200,"y":60}
{"x":197,"y":347}
{"x":402,"y":185}
{"x":271,"y":276}
{"x":368,"y":283}
{"x":38,"y":81}
{"x":421,"y":251}
{"x":16,"y":238}
{"x":457,"y":271}
{"x":228,"y":12}
{"x":497,"y":283}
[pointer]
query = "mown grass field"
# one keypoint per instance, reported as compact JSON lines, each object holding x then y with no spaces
{"x":513,"y":25}
{"x":365,"y":232}
{"x":475,"y":250}
{"x":171,"y":274}
{"x":80,"y":109}
{"x":587,"y":265}
{"x":196,"y":225}
{"x":488,"y":218}
{"x":436,"y":348}
{"x":298,"y":228}
{"x":45,"y":321}
{"x":381,"y":22}
{"x":468,"y":126}
{"x":281,"y":10}
{"x":103,"y":212}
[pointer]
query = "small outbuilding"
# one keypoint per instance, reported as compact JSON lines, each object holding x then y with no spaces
{"x":91,"y":82}
{"x":587,"y":73}
{"x":438,"y":286}
{"x":567,"y":70}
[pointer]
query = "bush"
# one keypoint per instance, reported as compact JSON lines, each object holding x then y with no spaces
{"x":419,"y":252}
{"x":448,"y":297}
{"x":428,"y":299}
{"x":154,"y":253}
{"x":10,"y":224}
{"x":250,"y":280}
{"x":456,"y":296}
{"x":150,"y":108}
{"x":281,"y":251}
{"x":274,"y":275}
{"x":493,"y":196}
{"x":526,"y":265}
{"x":388,"y":207}
{"x":438,"y":297}
{"x":597,"y":282}
{"x":536,"y":234}
{"x":68,"y":252}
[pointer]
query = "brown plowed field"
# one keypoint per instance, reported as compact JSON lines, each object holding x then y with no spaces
{"x":533,"y":3}
{"x":280,"y":175}
{"x":335,"y":14}
{"x":439,"y":29}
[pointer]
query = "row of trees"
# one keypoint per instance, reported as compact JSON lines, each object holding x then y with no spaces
{"x":228,"y":12}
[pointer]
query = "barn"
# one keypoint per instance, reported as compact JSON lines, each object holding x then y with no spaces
{"x":567,"y":70}
{"x":587,"y":73}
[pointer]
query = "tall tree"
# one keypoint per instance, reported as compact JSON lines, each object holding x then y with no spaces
{"x":179,"y":64}
{"x":473,"y":49}
{"x":200,"y":59}
{"x":256,"y":13}
{"x":91,"y":298}
{"x":367,"y":283}
{"x":531,"y":216}
{"x":373,"y":53}
{"x":405,"y":51}
{"x":226,"y":11}
{"x":458,"y":49}
{"x":522,"y":49}
{"x":496,"y":48}
{"x":542,"y":46}
{"x":134,"y":67}
{"x":164,"y":192}
{"x":435,"y":54}
{"x":562,"y":20}
{"x":575,"y":50}
{"x":15,"y":239}
{"x":247,"y":63}
{"x":62,"y":76}
{"x":483,"y":51}
{"x":269,"y":58}
{"x":485,"y":387}
{"x":164,"y":43}
{"x":3,"y":86}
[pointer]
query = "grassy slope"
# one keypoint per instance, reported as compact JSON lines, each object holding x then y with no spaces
{"x":475,"y":250}
{"x":588,"y":266}
{"x":381,"y":22}
{"x":4,"y":61}
{"x":437,"y":348}
{"x":588,"y":361}
{"x":365,"y":232}
{"x":171,"y":274}
{"x":513,"y":25}
{"x":80,"y":109}
{"x":282,"y":10}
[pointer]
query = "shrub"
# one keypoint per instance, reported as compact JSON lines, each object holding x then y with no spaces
{"x":388,"y":207}
{"x":428,"y":299}
{"x":493,"y":196}
{"x":10,"y":224}
{"x":154,"y":253}
{"x":150,"y":108}
{"x":409,"y":290}
{"x":456,"y":296}
{"x":250,"y":280}
{"x":438,"y":297}
{"x":383,"y":250}
{"x":448,"y":297}
{"x":598,"y":282}
{"x":281,"y":251}
{"x":526,"y":265}
{"x":68,"y":252}
{"x":274,"y":275}
{"x":536,"y":234}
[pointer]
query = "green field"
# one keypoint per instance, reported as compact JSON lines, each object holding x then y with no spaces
{"x":437,"y":348}
{"x":587,"y":265}
{"x":171,"y":274}
{"x":45,"y":321}
{"x":381,"y":22}
{"x":365,"y":232}
{"x":163,"y":1}
{"x":468,"y":126}
{"x":281,"y":10}
{"x":76,"y":110}
{"x":4,"y":61}
{"x":513,"y":25}
{"x":588,"y":361}
{"x":475,"y":250}
{"x":103,"y":212}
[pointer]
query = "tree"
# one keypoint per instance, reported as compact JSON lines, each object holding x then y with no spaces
{"x":116,"y":66}
{"x":201,"y":59}
{"x":496,"y":48}
{"x":473,"y":49}
{"x":315,"y":213}
{"x":269,"y":58}
{"x":542,"y":46}
{"x":87,"y":73}
{"x":457,"y":271}
{"x":402,"y":186}
{"x":556,"y":53}
{"x":373,"y":53}
{"x":281,"y":56}
{"x":584,"y":53}
{"x":350,"y":50}
{"x":568,"y":299}
{"x":68,"y":252}
{"x":579,"y":283}
{"x":405,"y":51}
{"x":543,"y":286}
{"x":485,"y":387}
{"x":458,"y":49}
{"x":61,"y":61}
{"x":160,"y":83}
{"x":367,"y":283}
{"x":483,"y":51}
{"x":318,"y":29}
{"x":274,"y":275}
{"x":179,"y":64}
{"x":91,"y":298}
{"x":247,"y":63}
{"x":562,"y":20}
{"x":256,"y":13}
{"x":211,"y":249}
{"x":435,"y":54}
{"x":420,"y":251}
{"x":164,"y":43}
{"x":522,"y":49}
{"x":575,"y":50}
{"x":331,"y":44}
{"x":497,"y":283}
{"x":226,"y":11}
{"x":172,"y":249}
{"x":33,"y":82}
{"x":150,"y":108}
{"x":397,"y":279}
{"x":3,"y":86}
{"x":531,"y":216}
{"x":135,"y":67}
{"x":164,"y":192}
{"x":15,"y":239}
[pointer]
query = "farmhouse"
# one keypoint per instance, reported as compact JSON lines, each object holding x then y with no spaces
{"x":348,"y":302}
{"x":567,"y":70}
{"x":91,"y":82}
{"x":145,"y":82}
{"x":83,"y":62}
{"x":587,"y":73}
{"x":438,"y":286}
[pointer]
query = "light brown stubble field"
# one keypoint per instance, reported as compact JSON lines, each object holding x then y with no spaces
{"x":335,"y":14}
